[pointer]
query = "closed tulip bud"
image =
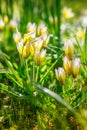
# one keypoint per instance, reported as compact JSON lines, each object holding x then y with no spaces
{"x":42,"y":29}
{"x":25,"y":52}
{"x":67,"y":13}
{"x":39,"y":56}
{"x":31,"y":27}
{"x":28,"y":37}
{"x":20,"y":47}
{"x":17,"y":37}
{"x":81,"y":34}
{"x":12,"y":24}
{"x":60,"y":75}
{"x":37,"y":44}
{"x":6,"y":19}
{"x":69,"y":49}
{"x":67,"y":65}
{"x":75,"y":67}
{"x":1,"y":24}
{"x":45,"y":39}
{"x":31,"y":49}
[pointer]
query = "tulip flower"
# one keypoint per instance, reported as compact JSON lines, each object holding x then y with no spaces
{"x":39,"y":56}
{"x":75,"y":67}
{"x":69,"y":49}
{"x":17,"y":37}
{"x":42,"y":29}
{"x":45,"y":39}
{"x":1,"y":24}
{"x":60,"y":75}
{"x":6,"y":19}
{"x":31,"y":27}
{"x":67,"y":65}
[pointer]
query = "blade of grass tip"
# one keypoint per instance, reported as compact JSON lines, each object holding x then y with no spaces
{"x":56,"y":96}
{"x":50,"y":69}
{"x":85,"y":44}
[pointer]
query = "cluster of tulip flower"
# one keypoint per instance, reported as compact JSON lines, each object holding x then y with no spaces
{"x":71,"y":65}
{"x":33,"y":42}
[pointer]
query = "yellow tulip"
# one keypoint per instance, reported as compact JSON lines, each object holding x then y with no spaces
{"x":69,"y":49}
{"x":6,"y":19}
{"x":1,"y":24}
{"x":67,"y":13}
{"x":20,"y":47}
{"x":45,"y":39}
{"x":28,"y":37}
{"x":17,"y":37}
{"x":60,"y":75}
{"x":75,"y":67}
{"x":42,"y":29}
{"x":31,"y":27}
{"x":37,"y":44}
{"x":67,"y":65}
{"x":12,"y":24}
{"x":39,"y":56}
{"x":25,"y":52}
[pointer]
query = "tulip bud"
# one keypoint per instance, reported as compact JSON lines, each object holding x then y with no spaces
{"x":1,"y":24}
{"x":45,"y":39}
{"x":25,"y":52}
{"x":6,"y":19}
{"x":67,"y":65}
{"x":20,"y":47}
{"x":60,"y":75}
{"x":41,"y":29}
{"x":69,"y":49}
{"x":31,"y":27}
{"x":17,"y":37}
{"x":75,"y":67}
{"x":67,"y":13}
{"x":31,"y":49}
{"x":39,"y":56}
{"x":81,"y":34}
{"x":28,"y":37}
{"x":37,"y":44}
{"x":12,"y":24}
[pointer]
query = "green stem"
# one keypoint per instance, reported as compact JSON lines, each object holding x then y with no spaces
{"x":33,"y":71}
{"x":37,"y":72}
{"x":27,"y":73}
